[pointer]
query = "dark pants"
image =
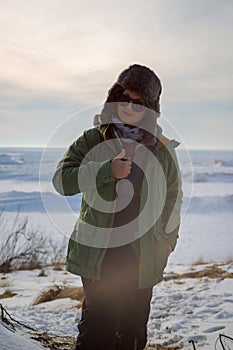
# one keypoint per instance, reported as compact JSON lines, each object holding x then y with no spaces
{"x":115,"y":311}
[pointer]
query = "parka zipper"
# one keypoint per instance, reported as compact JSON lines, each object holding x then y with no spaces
{"x":110,"y":145}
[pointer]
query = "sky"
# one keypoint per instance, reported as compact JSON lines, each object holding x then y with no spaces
{"x":59,"y":58}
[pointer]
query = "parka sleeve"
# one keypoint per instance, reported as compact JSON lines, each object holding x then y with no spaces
{"x":75,"y":173}
{"x":172,"y":209}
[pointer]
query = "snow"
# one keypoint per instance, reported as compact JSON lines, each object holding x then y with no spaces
{"x":10,"y":159}
{"x":204,"y":237}
{"x":181,"y":309}
{"x":16,"y":341}
{"x":191,"y":309}
{"x":45,"y":316}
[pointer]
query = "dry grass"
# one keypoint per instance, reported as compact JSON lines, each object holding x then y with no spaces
{"x":215,"y":272}
{"x":7,"y":294}
{"x":67,"y":343}
{"x":58,"y":266}
{"x":4,"y":283}
{"x":42,"y":273}
{"x":160,"y":347}
{"x":54,"y":342}
{"x":212,"y":271}
{"x":58,"y":292}
{"x":202,"y":261}
{"x":26,"y":266}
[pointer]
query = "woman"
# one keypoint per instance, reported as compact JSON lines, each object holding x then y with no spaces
{"x":129,"y":218}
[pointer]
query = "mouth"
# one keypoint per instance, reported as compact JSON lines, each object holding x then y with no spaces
{"x":127,"y":114}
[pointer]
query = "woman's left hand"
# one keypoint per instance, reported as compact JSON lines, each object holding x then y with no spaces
{"x":169,"y":249}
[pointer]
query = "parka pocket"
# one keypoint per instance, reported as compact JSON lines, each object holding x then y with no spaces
{"x":78,"y":253}
{"x":161,"y":254}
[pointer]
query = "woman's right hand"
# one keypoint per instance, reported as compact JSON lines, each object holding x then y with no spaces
{"x":121,"y":167}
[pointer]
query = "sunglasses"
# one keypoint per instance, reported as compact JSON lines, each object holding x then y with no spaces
{"x":137,"y":104}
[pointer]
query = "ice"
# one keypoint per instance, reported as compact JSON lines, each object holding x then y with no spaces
{"x":10,"y":159}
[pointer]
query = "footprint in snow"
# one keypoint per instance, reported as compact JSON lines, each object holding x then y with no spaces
{"x":213,"y":329}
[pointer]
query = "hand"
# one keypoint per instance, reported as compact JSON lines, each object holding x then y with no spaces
{"x":121,"y":168}
{"x":169,"y":249}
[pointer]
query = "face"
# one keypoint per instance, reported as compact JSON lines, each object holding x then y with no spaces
{"x":126,"y":113}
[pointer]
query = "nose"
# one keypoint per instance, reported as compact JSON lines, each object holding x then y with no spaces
{"x":129,"y":105}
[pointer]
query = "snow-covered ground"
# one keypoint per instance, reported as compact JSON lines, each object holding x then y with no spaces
{"x":183,"y":309}
{"x":191,"y":309}
{"x":15,"y":340}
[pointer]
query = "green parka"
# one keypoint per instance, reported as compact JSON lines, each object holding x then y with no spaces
{"x":86,"y":168}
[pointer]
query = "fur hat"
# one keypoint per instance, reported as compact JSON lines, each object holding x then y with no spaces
{"x":144,"y":81}
{"x":140,"y":79}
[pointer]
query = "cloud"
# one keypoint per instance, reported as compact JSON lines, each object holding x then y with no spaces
{"x":56,"y":55}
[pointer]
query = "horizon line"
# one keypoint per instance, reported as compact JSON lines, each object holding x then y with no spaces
{"x":60,"y":147}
